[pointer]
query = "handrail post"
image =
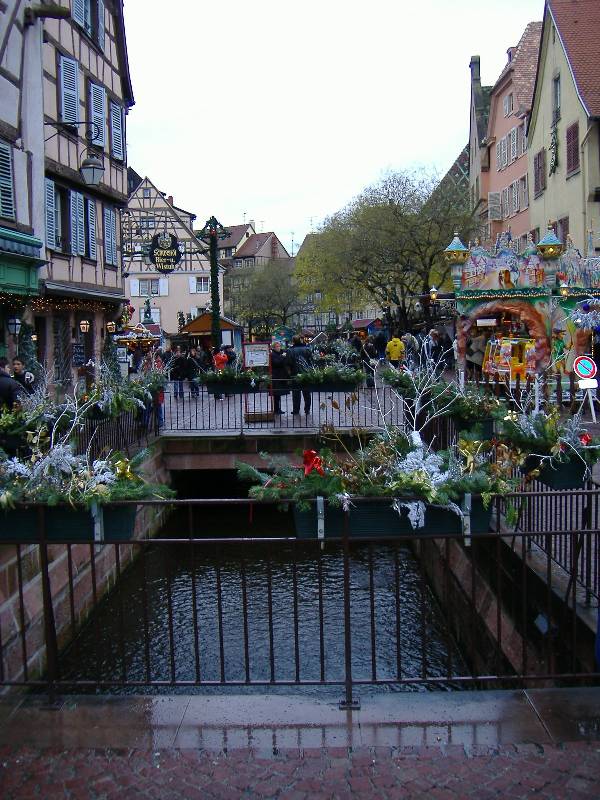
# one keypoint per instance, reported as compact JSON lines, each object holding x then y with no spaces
{"x":348,"y":703}
{"x":49,"y":621}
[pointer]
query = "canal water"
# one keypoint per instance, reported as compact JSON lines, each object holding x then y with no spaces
{"x":145,"y":626}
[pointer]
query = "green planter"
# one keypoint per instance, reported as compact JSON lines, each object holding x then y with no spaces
{"x":66,"y":524}
{"x":481,"y":517}
{"x":486,"y":426}
{"x":119,"y":523}
{"x":562,"y":475}
{"x":332,"y":386}
{"x":366,"y":519}
{"x":440,"y":521}
{"x":62,"y":524}
{"x":231,"y":388}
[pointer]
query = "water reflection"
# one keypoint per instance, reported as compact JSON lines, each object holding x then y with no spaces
{"x":145,"y":628}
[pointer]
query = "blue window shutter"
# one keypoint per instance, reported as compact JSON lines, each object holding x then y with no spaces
{"x":69,"y":90}
{"x":91,"y":215}
{"x":77,"y":224}
{"x":7,"y":189}
{"x":116,"y":131}
{"x":110,"y":237}
{"x":101,"y":24}
{"x":98,"y":113}
{"x":78,"y":12}
{"x":50,"y":214}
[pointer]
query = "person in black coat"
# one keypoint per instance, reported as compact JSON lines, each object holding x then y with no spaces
{"x":370,"y":359}
{"x":193,"y":366}
{"x":300,"y":360}
{"x":178,"y":371}
{"x":280,"y":371}
{"x":10,"y":390}
{"x":22,"y":376}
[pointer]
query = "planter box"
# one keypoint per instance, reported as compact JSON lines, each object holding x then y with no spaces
{"x":231,"y":388}
{"x":62,"y":524}
{"x":66,"y":524}
{"x":379,"y":520}
{"x":486,"y":426}
{"x":567,"y":475}
{"x":333,"y":386}
{"x":119,"y":523}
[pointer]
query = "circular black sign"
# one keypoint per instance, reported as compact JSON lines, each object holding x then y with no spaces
{"x":164,"y":252}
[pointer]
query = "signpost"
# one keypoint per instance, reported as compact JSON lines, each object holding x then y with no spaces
{"x":585,"y":369}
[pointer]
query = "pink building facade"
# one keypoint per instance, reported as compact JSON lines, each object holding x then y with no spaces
{"x":510,"y":104}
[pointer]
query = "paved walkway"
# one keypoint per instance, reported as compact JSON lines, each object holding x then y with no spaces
{"x":503,"y":744}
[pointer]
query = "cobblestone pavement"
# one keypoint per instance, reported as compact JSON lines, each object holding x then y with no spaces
{"x":523,"y":771}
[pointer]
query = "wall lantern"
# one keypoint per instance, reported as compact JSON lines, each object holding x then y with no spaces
{"x":550,"y":247}
{"x":433,"y":293}
{"x":84,"y":325}
{"x":34,"y":337}
{"x":111,"y":327}
{"x":14,"y":325}
{"x":564,"y":289}
{"x":92,"y":169}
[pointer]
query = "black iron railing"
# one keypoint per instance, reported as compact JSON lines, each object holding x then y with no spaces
{"x":200,"y":617}
{"x":126,"y":432}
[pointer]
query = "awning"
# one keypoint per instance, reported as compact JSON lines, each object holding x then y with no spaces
{"x":66,"y":290}
{"x":21,"y":245}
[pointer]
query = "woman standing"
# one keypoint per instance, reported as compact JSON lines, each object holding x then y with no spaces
{"x":280,"y":371}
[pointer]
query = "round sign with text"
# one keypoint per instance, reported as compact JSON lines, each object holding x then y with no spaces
{"x":585,"y":367}
{"x":164,"y":252}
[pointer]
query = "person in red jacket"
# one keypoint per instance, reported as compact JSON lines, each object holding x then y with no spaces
{"x":220,"y":361}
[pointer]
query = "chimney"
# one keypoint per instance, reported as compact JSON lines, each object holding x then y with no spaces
{"x":474,"y":66}
{"x":510,"y":53}
{"x":170,"y":199}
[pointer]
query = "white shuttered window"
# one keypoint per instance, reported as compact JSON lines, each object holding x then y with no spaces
{"x":69,"y":90}
{"x":7,"y":188}
{"x":117,"y":148}
{"x":97,"y":113}
{"x":494,"y":206}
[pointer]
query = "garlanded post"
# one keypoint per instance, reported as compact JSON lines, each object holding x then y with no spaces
{"x":210,"y":234}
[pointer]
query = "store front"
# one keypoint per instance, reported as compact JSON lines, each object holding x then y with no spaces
{"x":19,"y":264}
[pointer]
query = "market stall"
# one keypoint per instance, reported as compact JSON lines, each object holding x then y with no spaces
{"x":516,"y":309}
{"x":198,"y":333}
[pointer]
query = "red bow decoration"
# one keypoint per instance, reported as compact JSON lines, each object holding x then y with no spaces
{"x":312,"y":461}
{"x":585,"y":439}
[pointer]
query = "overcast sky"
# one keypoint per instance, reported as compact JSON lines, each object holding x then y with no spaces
{"x":285,"y":110}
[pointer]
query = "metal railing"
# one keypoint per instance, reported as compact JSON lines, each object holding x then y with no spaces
{"x":128,"y":431}
{"x":237,"y":624}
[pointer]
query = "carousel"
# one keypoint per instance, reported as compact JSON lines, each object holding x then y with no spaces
{"x":520,"y":313}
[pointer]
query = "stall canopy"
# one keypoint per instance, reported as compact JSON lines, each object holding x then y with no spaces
{"x":371,"y":326}
{"x":198,"y":331}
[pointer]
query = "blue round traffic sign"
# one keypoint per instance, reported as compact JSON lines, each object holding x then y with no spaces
{"x":585,"y":367}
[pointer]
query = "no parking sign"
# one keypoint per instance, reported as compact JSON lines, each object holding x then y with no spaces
{"x":585,"y":367}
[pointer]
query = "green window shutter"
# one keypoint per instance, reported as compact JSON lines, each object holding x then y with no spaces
{"x":98,"y":113}
{"x":50,"y":214}
{"x":69,"y":90}
{"x":7,"y":189}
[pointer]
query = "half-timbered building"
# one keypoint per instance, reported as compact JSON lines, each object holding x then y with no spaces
{"x":187,"y":288}
{"x":69,"y":100}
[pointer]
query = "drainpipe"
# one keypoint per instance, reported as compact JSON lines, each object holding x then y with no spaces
{"x":583,"y":185}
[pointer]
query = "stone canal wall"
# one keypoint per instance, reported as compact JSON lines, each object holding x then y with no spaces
{"x":22,"y":639}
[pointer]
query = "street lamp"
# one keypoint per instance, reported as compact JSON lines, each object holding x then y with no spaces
{"x":91,"y":169}
{"x":564,"y":289}
{"x":210,"y":234}
{"x":92,"y":166}
{"x":14,"y":325}
{"x":84,"y":325}
{"x":433,"y":293}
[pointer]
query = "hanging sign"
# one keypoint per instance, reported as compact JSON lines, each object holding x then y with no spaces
{"x":164,"y":252}
{"x":585,"y":367}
